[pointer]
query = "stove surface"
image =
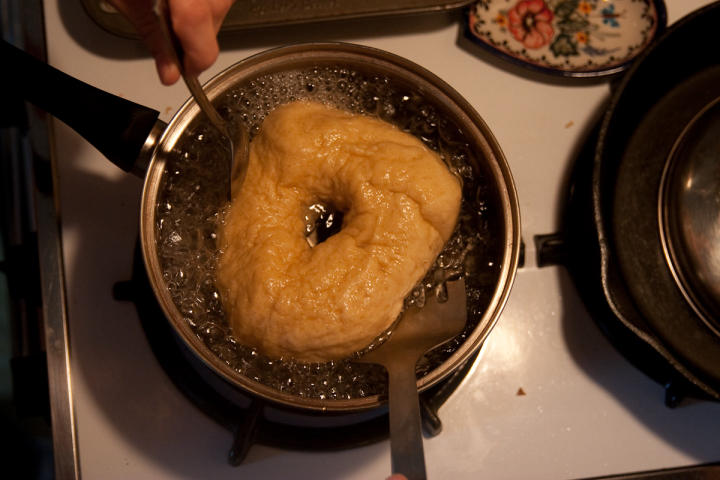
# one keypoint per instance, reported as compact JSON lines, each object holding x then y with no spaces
{"x":548,"y":396}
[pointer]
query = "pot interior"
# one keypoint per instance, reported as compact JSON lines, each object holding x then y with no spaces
{"x":183,"y":207}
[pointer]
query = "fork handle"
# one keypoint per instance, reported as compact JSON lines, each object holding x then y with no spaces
{"x":406,"y":442}
{"x":177,"y":53}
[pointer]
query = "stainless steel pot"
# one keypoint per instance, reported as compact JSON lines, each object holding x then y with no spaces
{"x":363,"y":79}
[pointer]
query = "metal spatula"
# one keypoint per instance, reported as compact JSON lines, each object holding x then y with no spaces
{"x":419,"y":330}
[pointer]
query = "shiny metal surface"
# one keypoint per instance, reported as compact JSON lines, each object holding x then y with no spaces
{"x":239,"y":138}
{"x":689,"y":210}
{"x":57,"y":341}
{"x":27,"y":17}
{"x":457,"y":110}
{"x":148,"y":150}
{"x":245,"y":14}
{"x":419,"y":330}
{"x":579,"y":396}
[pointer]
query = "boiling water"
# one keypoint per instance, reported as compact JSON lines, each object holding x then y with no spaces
{"x":190,"y":210}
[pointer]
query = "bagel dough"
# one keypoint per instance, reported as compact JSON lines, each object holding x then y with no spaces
{"x":400,"y":205}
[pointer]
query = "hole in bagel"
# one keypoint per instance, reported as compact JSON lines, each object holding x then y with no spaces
{"x":322,"y":221}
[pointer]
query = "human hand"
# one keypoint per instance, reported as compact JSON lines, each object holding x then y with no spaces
{"x":196,"y":24}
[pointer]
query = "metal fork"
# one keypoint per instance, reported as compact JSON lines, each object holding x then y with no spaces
{"x":239,"y":140}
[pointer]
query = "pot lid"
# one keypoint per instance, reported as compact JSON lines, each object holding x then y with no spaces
{"x":689,"y":210}
{"x":650,"y":109}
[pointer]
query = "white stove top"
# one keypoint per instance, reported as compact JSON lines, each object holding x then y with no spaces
{"x":585,"y":411}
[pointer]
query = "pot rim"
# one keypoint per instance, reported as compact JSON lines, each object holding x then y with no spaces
{"x":307,"y":53}
{"x":691,"y":270}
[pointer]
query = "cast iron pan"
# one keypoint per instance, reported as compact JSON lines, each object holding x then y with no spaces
{"x":670,"y":83}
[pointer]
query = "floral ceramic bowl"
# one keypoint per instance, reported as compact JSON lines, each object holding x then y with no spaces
{"x":575,"y":38}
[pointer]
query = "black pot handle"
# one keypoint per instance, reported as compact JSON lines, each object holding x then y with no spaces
{"x":118,"y":128}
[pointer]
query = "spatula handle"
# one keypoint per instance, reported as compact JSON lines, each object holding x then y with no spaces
{"x":406,"y":442}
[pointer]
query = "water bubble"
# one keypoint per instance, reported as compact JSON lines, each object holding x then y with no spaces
{"x":190,"y":209}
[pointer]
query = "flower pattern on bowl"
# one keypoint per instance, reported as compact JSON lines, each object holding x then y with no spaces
{"x":569,"y":37}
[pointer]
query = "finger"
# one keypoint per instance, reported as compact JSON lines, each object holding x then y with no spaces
{"x":167,"y":70}
{"x":194,"y":24}
{"x":140,"y":14}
